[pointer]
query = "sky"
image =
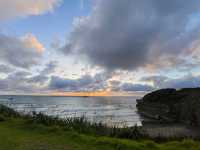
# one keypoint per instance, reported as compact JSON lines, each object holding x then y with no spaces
{"x":98,"y":47}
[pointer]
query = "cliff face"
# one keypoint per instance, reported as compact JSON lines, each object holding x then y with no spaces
{"x":171,"y":106}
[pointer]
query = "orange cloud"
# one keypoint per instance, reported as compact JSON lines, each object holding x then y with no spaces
{"x":10,"y":9}
{"x":32,"y":42}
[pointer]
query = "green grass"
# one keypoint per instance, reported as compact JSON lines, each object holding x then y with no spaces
{"x":80,"y":125}
{"x":22,"y":133}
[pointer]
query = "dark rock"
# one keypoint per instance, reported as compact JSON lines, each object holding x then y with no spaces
{"x":160,"y":95}
{"x":170,"y":105}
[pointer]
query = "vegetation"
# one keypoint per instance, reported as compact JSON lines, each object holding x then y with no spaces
{"x":80,"y":125}
{"x":39,"y":132}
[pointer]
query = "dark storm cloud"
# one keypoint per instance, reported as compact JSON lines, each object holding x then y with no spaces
{"x":128,"y":34}
{"x":20,"y":52}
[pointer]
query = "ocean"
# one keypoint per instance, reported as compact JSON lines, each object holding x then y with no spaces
{"x":113,"y":111}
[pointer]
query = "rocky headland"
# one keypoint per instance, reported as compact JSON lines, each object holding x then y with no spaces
{"x":171,"y":110}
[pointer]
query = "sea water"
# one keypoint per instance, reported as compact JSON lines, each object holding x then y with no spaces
{"x":113,"y":111}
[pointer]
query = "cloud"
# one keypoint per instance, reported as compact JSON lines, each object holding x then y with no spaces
{"x":10,"y":9}
{"x":99,"y":82}
{"x":184,"y":82}
{"x":31,"y":41}
{"x":43,"y":76}
{"x":129,"y":87}
{"x":58,"y":83}
{"x":84,"y":83}
{"x":14,"y":82}
{"x":160,"y":82}
{"x":20,"y":52}
{"x":49,"y":68}
{"x":23,"y":82}
{"x":38,"y":79}
{"x":157,"y":81}
{"x":132,"y":34}
{"x":20,"y":81}
{"x":5,"y":69}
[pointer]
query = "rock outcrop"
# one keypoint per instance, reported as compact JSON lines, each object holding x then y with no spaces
{"x":171,"y":106}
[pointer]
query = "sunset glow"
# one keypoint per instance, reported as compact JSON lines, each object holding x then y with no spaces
{"x":81,"y":47}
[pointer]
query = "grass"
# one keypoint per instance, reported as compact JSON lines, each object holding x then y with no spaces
{"x":80,"y":125}
{"x":39,"y":132}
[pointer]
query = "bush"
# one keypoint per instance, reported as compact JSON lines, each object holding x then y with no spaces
{"x":8,"y":112}
{"x":2,"y":118}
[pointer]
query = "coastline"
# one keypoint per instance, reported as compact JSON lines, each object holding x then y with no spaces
{"x":171,"y":113}
{"x":36,"y":132}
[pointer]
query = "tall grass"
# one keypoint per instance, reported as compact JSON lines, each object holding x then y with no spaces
{"x":82,"y":125}
{"x":78,"y":124}
{"x":8,"y":112}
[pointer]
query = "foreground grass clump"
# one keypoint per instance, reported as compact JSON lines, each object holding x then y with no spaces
{"x":39,"y":132}
{"x":8,"y":112}
{"x":81,"y":125}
